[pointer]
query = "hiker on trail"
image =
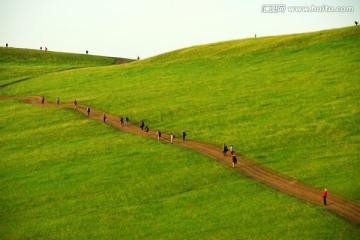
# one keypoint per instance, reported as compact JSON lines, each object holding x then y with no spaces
{"x":234,"y":160}
{"x":88,"y":111}
{"x":324,"y":195}
{"x":121,"y":121}
{"x":42,"y":100}
{"x":146,"y":129}
{"x":183,"y":135}
{"x":57,"y":100}
{"x":172,"y":136}
{"x":126,"y":121}
{"x":104,"y":117}
{"x":75,"y":103}
{"x":142,"y":125}
{"x":7,"y":44}
{"x":225,"y":149}
{"x":232,"y":150}
{"x":158,"y":134}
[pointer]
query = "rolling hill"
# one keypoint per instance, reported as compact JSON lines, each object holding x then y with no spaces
{"x":288,"y":103}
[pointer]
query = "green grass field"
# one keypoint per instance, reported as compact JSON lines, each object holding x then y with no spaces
{"x":289,"y":103}
{"x":66,"y":177}
{"x":17,"y":64}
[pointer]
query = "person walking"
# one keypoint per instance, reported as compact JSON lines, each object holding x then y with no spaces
{"x":172,"y":136}
{"x":126,"y":121}
{"x":232,"y":150}
{"x":104,"y":117}
{"x":75,"y":103}
{"x":57,"y":101}
{"x":234,"y":160}
{"x":142,"y":125}
{"x":88,"y":111}
{"x":42,"y":100}
{"x":121,"y":121}
{"x":183,"y":135}
{"x":146,"y":129}
{"x":158,"y":134}
{"x":324,"y":195}
{"x":225,"y":149}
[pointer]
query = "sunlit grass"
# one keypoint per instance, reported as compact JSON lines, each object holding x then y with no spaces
{"x":17,"y":64}
{"x":289,"y":103}
{"x":67,"y":177}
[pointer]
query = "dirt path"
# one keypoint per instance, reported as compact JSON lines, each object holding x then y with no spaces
{"x":338,"y":205}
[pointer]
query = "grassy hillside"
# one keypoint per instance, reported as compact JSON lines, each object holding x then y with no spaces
{"x":289,"y":103}
{"x":64,"y":176}
{"x":16,"y":64}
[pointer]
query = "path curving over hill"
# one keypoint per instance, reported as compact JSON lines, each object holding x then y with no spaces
{"x":344,"y":208}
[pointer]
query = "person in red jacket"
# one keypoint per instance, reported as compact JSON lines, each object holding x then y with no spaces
{"x":324,"y":195}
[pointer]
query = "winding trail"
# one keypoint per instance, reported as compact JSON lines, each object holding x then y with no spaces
{"x":344,"y":208}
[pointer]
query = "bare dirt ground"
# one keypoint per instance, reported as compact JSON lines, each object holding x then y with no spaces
{"x":345,"y":208}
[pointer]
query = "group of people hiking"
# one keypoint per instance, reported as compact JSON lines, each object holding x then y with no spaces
{"x":125,"y":122}
{"x":172,"y":137}
{"x":158,"y":132}
{"x":232,"y":153}
{"x":122,"y":121}
{"x":143,"y":127}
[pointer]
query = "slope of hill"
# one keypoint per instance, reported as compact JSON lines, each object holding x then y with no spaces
{"x":67,"y":177}
{"x":289,"y":103}
{"x":17,"y":64}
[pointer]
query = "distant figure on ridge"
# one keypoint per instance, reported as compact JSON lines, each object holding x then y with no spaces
{"x":40,"y":48}
{"x":42,"y":100}
{"x":88,"y":111}
{"x":324,"y":195}
{"x":75,"y":103}
{"x":7,"y":44}
{"x":138,"y":58}
{"x":87,"y":52}
{"x":183,"y":135}
{"x":104,"y":117}
{"x":356,"y":23}
{"x":121,"y":121}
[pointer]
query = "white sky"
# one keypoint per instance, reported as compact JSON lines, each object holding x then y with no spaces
{"x":131,"y":28}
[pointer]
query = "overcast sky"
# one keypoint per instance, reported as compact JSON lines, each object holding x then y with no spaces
{"x":145,"y":28}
